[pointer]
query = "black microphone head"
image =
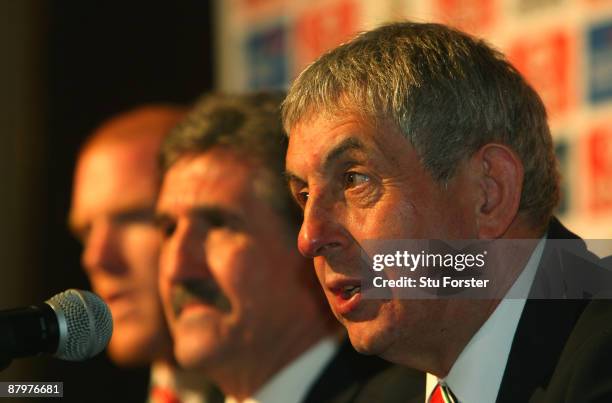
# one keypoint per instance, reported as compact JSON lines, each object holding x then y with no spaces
{"x":85,"y":324}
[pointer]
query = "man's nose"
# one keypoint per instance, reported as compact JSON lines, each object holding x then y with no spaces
{"x":321,"y":232}
{"x":103,"y":249}
{"x":183,"y":255}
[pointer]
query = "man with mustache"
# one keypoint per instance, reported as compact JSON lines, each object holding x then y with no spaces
{"x":115,"y":188}
{"x":242,"y":305}
{"x":421,"y":132}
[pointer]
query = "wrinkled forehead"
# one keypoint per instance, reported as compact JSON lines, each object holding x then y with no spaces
{"x":215,"y":177}
{"x":323,"y":129}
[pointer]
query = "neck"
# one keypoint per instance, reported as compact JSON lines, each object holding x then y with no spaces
{"x":249,"y":372}
{"x":438,"y":358}
{"x":457,"y":321}
{"x":182,"y":379}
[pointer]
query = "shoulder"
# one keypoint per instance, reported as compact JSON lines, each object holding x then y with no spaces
{"x":584,"y":372}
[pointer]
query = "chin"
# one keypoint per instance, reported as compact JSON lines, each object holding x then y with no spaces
{"x":195,"y":347}
{"x":364,"y":339}
{"x":129,"y":354}
{"x":373,"y":331}
{"x":193,"y":353}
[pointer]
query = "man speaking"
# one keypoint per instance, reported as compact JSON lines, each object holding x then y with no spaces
{"x":418,"y":131}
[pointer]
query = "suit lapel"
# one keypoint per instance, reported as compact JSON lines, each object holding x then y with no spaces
{"x":542,"y":331}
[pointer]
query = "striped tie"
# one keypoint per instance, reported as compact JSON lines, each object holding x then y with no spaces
{"x":442,"y":394}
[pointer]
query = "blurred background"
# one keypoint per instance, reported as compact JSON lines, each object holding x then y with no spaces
{"x":65,"y":67}
{"x":68,"y":65}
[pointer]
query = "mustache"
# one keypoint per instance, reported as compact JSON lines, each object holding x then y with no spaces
{"x":199,"y":291}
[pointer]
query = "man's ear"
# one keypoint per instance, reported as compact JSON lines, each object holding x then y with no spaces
{"x":500,"y":174}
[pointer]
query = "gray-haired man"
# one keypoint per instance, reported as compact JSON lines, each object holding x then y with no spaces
{"x":418,"y":131}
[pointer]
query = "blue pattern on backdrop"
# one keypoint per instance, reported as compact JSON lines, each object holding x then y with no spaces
{"x":561,"y":150}
{"x":600,"y":62}
{"x":267,"y":58}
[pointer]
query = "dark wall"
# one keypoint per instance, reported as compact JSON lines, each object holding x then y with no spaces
{"x":79,"y":62}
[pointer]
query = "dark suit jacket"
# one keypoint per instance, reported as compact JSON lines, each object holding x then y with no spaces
{"x":356,"y":378}
{"x":351,"y":377}
{"x":562,"y":349}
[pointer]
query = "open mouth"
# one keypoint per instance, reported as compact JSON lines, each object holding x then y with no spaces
{"x":347,"y":297}
{"x":350,"y":290}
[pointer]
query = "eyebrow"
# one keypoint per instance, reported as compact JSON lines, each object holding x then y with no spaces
{"x":134,"y":214}
{"x":216,"y":214}
{"x":332,"y":155}
{"x":212,"y":214}
{"x":130,"y":214}
{"x":344,"y":146}
{"x":291,"y":177}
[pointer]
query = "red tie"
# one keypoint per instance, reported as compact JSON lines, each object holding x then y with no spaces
{"x":442,"y":394}
{"x":160,"y":394}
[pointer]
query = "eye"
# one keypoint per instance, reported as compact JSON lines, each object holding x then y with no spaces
{"x":169,"y":229}
{"x":166,"y":226}
{"x":352,"y":179}
{"x":302,"y":197}
{"x":216,"y":220}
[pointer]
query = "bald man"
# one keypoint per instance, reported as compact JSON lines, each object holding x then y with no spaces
{"x":115,"y":189}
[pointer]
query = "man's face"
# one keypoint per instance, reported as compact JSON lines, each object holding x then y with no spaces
{"x":112,"y":213}
{"x":357,"y":182}
{"x":230,"y":280}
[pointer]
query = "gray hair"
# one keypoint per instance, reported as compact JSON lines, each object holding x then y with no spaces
{"x":447,"y":92}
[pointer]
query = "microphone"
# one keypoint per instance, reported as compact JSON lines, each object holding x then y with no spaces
{"x":73,"y":325}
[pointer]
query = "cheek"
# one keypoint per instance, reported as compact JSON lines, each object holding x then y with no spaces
{"x":142,"y":245}
{"x":450,"y":219}
{"x":389,"y":219}
{"x":233,"y":262}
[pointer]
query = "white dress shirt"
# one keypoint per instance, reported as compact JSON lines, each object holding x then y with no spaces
{"x":291,"y":384}
{"x":476,"y":375}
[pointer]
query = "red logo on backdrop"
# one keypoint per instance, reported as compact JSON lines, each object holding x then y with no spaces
{"x":600,"y":167}
{"x":322,"y":28}
{"x":545,"y":63}
{"x":475,"y":16}
{"x":255,"y":10}
{"x":596,"y":2}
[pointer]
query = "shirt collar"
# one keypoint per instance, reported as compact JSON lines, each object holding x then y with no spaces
{"x":188,"y":385}
{"x":477,"y":373}
{"x":291,"y":384}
